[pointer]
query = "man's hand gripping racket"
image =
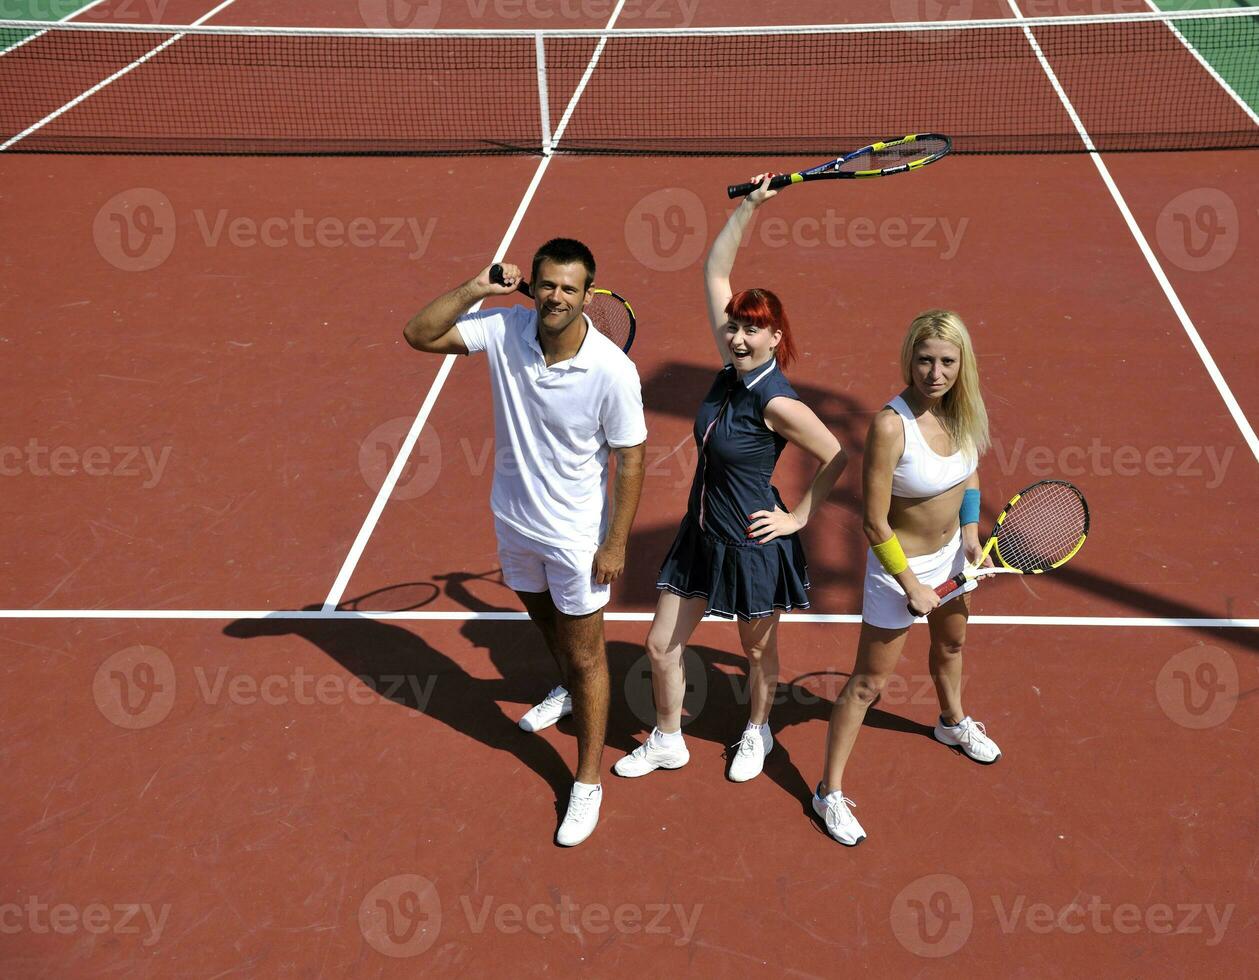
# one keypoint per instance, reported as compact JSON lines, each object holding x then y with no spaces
{"x":1042,"y":528}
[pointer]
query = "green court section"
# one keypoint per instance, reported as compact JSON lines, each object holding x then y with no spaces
{"x":33,"y":10}
{"x":1231,"y":46}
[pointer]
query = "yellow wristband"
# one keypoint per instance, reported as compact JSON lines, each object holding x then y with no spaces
{"x":891,"y":555}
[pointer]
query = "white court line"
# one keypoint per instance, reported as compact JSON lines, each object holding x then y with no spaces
{"x":112,"y":78}
{"x":1226,"y":393}
{"x":1144,"y":622}
{"x":1206,"y":65}
{"x":61,"y":20}
{"x":342,"y":582}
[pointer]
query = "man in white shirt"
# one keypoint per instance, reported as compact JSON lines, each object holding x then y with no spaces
{"x":564,"y":398}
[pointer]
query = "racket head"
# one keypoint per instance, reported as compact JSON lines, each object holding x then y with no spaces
{"x":893,"y":156}
{"x":613,"y":317}
{"x":1042,"y":527}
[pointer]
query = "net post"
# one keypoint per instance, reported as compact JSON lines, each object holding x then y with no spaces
{"x":544,"y":107}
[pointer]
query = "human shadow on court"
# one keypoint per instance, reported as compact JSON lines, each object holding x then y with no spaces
{"x":381,"y":652}
{"x":715,"y":705}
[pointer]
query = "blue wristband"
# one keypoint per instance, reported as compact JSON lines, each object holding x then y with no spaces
{"x":969,"y":514}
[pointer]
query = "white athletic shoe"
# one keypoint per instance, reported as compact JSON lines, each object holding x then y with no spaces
{"x":971,"y":738}
{"x":749,"y":758}
{"x":581,"y":818}
{"x":838,"y":819}
{"x":546,"y":713}
{"x":649,"y":756}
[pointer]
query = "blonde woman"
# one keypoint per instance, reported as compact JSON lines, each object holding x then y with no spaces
{"x":921,"y":516}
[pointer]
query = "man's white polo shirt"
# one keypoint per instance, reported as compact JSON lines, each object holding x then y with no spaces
{"x":553,"y":426}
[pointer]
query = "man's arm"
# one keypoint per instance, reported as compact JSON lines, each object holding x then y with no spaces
{"x":433,"y":329}
{"x":628,"y":488}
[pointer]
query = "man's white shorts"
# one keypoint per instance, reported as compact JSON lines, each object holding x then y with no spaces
{"x":884,"y":604}
{"x":534,"y":566}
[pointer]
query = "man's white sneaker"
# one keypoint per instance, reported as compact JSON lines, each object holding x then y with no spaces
{"x":837,"y":818}
{"x":650,"y":756}
{"x":749,"y":756}
{"x":971,"y":738}
{"x":546,"y":713}
{"x":582,"y":816}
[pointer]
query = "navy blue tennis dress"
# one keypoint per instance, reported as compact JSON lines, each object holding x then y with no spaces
{"x":712,"y":556}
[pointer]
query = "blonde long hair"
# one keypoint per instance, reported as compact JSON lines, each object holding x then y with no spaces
{"x":961,"y":410}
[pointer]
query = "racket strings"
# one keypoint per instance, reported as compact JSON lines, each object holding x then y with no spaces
{"x":1043,"y":528}
{"x":610,"y":318}
{"x":895,"y":155}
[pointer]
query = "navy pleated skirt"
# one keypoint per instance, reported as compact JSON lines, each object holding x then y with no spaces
{"x":749,"y":580}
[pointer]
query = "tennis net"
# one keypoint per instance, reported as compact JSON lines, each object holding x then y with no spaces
{"x":1186,"y":80}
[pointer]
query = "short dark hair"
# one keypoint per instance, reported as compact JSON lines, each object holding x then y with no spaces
{"x":565,"y":251}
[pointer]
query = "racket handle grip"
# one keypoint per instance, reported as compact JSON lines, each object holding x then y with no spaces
{"x":952,"y":585}
{"x":743,"y":190}
{"x":496,"y":277}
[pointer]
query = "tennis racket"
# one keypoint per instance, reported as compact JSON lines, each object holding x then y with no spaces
{"x":895,"y":156}
{"x":610,"y":312}
{"x":1042,"y":527}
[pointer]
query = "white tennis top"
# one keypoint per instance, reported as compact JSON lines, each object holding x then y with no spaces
{"x":554,"y":426}
{"x":921,"y":471}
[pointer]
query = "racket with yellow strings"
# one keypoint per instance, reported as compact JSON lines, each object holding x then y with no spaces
{"x":1042,"y":528}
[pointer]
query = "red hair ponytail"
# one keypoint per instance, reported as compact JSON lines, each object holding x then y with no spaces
{"x":763,"y":309}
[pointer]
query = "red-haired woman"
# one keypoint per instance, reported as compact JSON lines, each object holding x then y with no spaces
{"x":737,"y":553}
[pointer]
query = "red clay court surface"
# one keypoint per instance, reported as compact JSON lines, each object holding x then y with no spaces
{"x":199,"y":424}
